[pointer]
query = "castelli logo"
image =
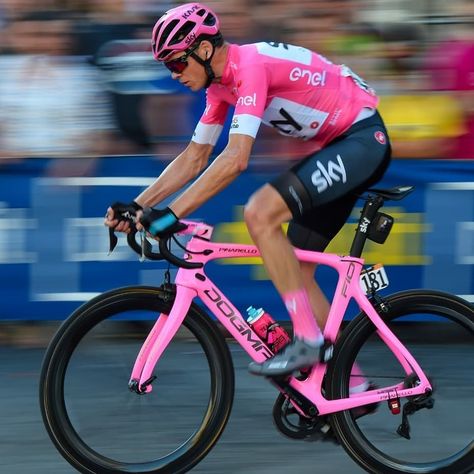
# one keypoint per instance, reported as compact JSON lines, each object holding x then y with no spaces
{"x":380,"y":137}
{"x":235,"y":90}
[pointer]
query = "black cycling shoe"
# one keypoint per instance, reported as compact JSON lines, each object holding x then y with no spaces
{"x":323,"y":431}
{"x":297,"y":355}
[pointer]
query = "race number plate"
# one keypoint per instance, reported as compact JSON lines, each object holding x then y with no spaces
{"x":373,"y":278}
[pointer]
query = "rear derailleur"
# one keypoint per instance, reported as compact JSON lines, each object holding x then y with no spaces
{"x":413,"y":405}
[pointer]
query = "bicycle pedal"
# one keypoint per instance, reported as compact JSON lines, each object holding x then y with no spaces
{"x":325,"y":434}
{"x":326,"y":351}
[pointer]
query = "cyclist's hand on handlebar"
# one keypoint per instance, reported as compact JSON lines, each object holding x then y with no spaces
{"x":121,"y":217}
{"x":161,"y":222}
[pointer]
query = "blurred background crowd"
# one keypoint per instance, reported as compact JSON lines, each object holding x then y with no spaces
{"x":77,"y":77}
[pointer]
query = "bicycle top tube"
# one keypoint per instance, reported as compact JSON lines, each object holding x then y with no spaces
{"x":198,"y":251}
{"x":372,"y":225}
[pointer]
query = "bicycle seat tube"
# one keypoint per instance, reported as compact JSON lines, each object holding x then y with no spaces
{"x":371,"y":207}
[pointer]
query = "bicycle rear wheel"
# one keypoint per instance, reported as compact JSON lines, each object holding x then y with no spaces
{"x":438,"y":330}
{"x":98,"y":424}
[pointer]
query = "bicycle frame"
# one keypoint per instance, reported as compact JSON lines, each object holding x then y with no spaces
{"x":192,"y":283}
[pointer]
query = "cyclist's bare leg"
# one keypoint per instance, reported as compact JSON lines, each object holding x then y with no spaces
{"x":264,"y":215}
{"x":319,"y":302}
{"x":320,"y":306}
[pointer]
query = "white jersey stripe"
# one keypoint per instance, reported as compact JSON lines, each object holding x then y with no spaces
{"x":207,"y":134}
{"x":245,"y":124}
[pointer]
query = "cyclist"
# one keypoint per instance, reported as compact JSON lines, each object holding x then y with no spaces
{"x":303,"y":96}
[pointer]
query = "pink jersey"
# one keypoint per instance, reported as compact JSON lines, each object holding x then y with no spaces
{"x":291,"y":88}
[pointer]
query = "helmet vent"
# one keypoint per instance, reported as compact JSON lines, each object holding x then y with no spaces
{"x":210,"y":20}
{"x":182,"y":32}
{"x":164,"y":53}
{"x":169,"y":28}
{"x":155,"y":36}
{"x":201,"y":12}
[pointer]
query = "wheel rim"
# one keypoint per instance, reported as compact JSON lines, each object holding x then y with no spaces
{"x":101,"y":423}
{"x":448,"y":363}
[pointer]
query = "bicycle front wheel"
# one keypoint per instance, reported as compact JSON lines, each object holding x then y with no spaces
{"x":438,"y":330}
{"x":98,"y":424}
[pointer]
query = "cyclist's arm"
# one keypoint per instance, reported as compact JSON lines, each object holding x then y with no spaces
{"x":179,"y":172}
{"x":250,"y":103}
{"x":193,"y":159}
{"x":223,"y":170}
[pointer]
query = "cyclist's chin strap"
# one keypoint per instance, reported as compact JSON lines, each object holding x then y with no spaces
{"x":207,"y":66}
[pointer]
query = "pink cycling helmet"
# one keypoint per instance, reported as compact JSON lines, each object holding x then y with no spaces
{"x":180,"y":27}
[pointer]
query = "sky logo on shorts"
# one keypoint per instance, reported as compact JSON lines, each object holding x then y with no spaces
{"x":325,"y":176}
{"x":380,"y":137}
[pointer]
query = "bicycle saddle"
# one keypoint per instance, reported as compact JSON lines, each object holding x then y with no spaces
{"x":395,"y":194}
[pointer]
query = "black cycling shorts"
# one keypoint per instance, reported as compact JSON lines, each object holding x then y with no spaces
{"x":321,"y":190}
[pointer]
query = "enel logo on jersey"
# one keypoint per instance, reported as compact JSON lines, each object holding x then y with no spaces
{"x":248,"y":100}
{"x":312,"y":78}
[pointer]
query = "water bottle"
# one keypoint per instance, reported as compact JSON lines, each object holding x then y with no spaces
{"x":271,"y":333}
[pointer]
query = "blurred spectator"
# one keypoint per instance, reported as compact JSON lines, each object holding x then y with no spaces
{"x":237,"y":19}
{"x":421,"y":124}
{"x":17,"y":8}
{"x":3,"y":25}
{"x":147,"y":7}
{"x":380,"y":11}
{"x":271,"y":18}
{"x":450,"y":65}
{"x":51,"y":104}
{"x":60,"y":100}
{"x":398,"y":56}
{"x":152,"y":109}
{"x":320,"y":26}
{"x":107,"y":21}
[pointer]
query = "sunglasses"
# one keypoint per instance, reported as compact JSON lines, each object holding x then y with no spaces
{"x":178,"y":65}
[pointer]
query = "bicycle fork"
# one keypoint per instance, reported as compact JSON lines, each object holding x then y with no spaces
{"x":157,"y":340}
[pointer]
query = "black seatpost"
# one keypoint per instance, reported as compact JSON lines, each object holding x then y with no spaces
{"x":371,"y":207}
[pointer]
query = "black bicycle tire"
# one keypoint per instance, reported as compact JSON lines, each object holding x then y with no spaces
{"x":61,"y":347}
{"x":356,"y":333}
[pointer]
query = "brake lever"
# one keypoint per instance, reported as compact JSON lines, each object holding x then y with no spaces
{"x":113,"y":239}
{"x":143,"y":242}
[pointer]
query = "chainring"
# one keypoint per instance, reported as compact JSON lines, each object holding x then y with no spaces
{"x":296,"y":426}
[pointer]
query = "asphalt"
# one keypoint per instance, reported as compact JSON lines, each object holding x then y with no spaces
{"x":250,"y":443}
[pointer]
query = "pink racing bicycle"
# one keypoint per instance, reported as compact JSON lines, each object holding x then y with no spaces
{"x":108,"y":395}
